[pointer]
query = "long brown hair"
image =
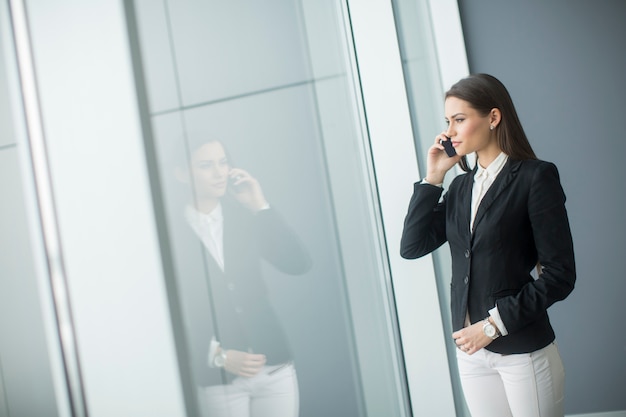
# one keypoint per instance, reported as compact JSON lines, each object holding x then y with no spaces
{"x":484,"y":92}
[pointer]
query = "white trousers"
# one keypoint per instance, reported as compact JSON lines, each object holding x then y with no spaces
{"x":520,"y":385}
{"x":273,"y":392}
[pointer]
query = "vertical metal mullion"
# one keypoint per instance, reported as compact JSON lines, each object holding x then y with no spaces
{"x":403,"y":394}
{"x":46,"y":207}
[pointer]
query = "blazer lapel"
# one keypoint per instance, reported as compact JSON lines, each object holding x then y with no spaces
{"x":465,"y":198}
{"x":508,"y":173}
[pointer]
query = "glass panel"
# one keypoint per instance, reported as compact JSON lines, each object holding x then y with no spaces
{"x":30,"y":361}
{"x":422,"y":75}
{"x":271,"y":208}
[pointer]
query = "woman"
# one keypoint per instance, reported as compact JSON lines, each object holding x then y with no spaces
{"x":502,"y":219}
{"x":240,"y":356}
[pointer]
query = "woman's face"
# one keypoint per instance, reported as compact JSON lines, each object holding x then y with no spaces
{"x":468,"y":129}
{"x":209,"y":168}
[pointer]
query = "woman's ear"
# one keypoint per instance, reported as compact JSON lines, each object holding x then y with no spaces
{"x":182,"y":175}
{"x":495,"y":116}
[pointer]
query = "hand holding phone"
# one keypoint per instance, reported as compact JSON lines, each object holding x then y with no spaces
{"x":447,"y":146}
{"x":233,"y":180}
{"x":246,"y":189}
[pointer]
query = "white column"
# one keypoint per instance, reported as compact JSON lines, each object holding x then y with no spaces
{"x":395,"y":162}
{"x":100,"y":193}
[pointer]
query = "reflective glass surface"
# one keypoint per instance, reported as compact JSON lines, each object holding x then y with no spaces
{"x":271,"y":208}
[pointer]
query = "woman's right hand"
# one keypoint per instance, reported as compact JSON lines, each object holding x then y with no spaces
{"x":247,"y":190}
{"x":243,"y":363}
{"x":438,"y":162}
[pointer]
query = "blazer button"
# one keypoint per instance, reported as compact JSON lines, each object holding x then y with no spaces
{"x":467,"y":253}
{"x":466,"y":279}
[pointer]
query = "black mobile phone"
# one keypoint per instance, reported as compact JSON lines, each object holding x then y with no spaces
{"x":447,"y":146}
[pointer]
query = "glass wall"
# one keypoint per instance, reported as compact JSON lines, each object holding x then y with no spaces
{"x":30,"y":359}
{"x":270,"y":205}
{"x":430,"y":65}
{"x":226,"y":218}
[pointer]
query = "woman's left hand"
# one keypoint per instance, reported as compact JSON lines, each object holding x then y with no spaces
{"x":246,"y":189}
{"x":472,"y":338}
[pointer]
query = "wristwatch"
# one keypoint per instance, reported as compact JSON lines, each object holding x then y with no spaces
{"x":490,"y":330}
{"x":220,"y":359}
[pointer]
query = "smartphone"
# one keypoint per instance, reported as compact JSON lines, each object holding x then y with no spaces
{"x":233,"y":180}
{"x":447,"y":146}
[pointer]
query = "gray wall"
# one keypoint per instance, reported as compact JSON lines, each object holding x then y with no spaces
{"x":563,"y":62}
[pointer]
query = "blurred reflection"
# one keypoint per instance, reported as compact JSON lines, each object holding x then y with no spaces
{"x":273,"y":80}
{"x":241,"y":359}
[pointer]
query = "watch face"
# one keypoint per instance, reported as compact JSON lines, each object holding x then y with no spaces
{"x":489,"y":330}
{"x":219,"y":360}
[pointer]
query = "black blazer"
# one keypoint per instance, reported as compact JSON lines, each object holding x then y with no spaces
{"x":233,"y":305}
{"x":521,"y":220}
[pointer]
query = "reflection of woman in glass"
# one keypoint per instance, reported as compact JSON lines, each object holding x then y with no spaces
{"x":240,"y":353}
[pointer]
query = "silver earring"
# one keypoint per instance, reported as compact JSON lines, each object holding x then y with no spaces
{"x":491,"y":127}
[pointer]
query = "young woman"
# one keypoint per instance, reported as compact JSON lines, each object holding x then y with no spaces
{"x":240,"y":355}
{"x":503,"y":219}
